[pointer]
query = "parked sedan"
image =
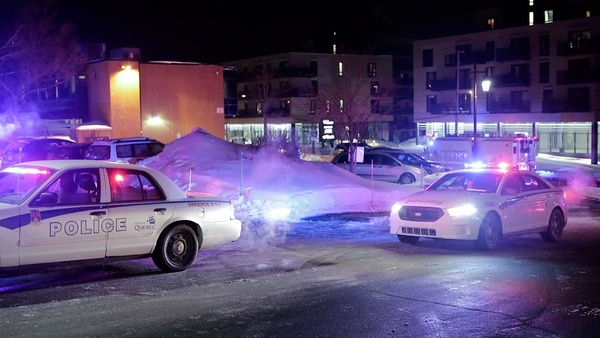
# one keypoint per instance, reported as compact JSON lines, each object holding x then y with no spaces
{"x":68,"y":210}
{"x":483,"y":206}
{"x":31,"y":149}
{"x":415,"y":160}
{"x":382,"y":166}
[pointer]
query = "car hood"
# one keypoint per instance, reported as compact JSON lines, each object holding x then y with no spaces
{"x":442,"y":199}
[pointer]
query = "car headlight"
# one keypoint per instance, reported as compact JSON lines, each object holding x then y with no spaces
{"x":396,"y":208}
{"x":464,"y":210}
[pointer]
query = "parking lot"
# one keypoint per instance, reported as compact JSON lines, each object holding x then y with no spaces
{"x":336,"y":276}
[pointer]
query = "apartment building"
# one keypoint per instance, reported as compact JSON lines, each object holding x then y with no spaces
{"x":545,"y":82}
{"x":293,"y":81}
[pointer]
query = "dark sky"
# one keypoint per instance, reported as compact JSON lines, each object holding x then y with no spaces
{"x":219,"y":31}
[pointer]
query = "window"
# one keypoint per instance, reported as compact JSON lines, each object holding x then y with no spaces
{"x":530,"y":2}
{"x":544,"y":45}
{"x":431,"y":103}
{"x":579,"y":99}
{"x":490,"y":23}
{"x":284,"y":104}
{"x":490,"y":51}
{"x":341,"y":106}
{"x":548,"y":16}
{"x":132,"y":185}
{"x":341,"y":68}
{"x":428,"y":58}
{"x":312,"y":106}
{"x":464,"y":103}
{"x":530,"y":18}
{"x":519,"y":100}
{"x":314,"y":68}
{"x":371,"y":69}
{"x":284,"y":64}
{"x":430,"y":79}
{"x":375,"y":107}
{"x":374,"y":87}
{"x":533,"y":183}
{"x":315,"y":86}
{"x":258,"y":108}
{"x":76,"y":187}
{"x":579,"y":40}
{"x":544,"y":72}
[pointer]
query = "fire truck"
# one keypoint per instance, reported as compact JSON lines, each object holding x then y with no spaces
{"x":457,"y":152}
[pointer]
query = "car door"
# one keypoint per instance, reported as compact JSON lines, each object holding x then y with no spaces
{"x":67,"y":220}
{"x":138,"y":209}
{"x":514,"y":204}
{"x":538,"y":193}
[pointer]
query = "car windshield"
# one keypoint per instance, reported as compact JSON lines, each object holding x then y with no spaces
{"x":472,"y":181}
{"x":17,"y":183}
{"x":98,"y":153}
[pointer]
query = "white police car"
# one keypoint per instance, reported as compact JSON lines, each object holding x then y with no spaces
{"x":68,"y":210}
{"x":481,"y":205}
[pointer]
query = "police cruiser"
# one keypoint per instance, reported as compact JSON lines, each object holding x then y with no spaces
{"x":483,"y":205}
{"x":68,"y":210}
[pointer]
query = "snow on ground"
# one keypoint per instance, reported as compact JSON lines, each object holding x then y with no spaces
{"x":264,"y":184}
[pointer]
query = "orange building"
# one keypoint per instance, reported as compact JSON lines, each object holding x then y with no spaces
{"x":161,"y":100}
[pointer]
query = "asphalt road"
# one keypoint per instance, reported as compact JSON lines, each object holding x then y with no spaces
{"x":332,"y":276}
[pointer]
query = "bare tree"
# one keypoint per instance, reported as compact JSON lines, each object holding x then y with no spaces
{"x":36,"y":56}
{"x":352,"y":102}
{"x":265,"y":94}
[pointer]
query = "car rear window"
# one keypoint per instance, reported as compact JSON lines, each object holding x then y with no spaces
{"x":98,"y":153}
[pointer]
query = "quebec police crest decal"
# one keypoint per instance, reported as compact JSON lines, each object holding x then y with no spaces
{"x":36,"y":217}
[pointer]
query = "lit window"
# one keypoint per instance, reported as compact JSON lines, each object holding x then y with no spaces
{"x":334,"y":49}
{"x":491,"y":23}
{"x":258,"y":107}
{"x":530,"y":18}
{"x":530,"y":2}
{"x":548,"y":16}
{"x":328,"y":104}
{"x":341,"y":106}
{"x":341,"y":68}
{"x":587,"y":14}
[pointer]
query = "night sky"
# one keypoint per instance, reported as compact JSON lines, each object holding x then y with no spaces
{"x":219,"y":31}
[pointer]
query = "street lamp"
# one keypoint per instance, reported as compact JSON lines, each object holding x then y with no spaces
{"x":485,"y":85}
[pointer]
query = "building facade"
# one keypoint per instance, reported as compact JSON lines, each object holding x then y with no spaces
{"x":285,"y":89}
{"x":545,"y":82}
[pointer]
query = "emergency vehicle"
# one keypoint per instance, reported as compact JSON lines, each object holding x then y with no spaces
{"x":481,"y":205}
{"x":69,"y":210}
{"x":457,"y":152}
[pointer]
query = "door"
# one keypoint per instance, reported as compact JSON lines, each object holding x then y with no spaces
{"x":538,"y":194}
{"x":515,"y":205}
{"x":67,"y":220}
{"x":138,"y":209}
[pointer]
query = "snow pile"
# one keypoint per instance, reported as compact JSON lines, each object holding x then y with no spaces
{"x":264,"y":184}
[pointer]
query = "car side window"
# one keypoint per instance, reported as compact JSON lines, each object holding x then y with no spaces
{"x":385,"y":160}
{"x":80,"y":186}
{"x":132,"y":185}
{"x":343,"y":158}
{"x":512,"y":186}
{"x":368,"y":158}
{"x":124,"y":151}
{"x":533,"y":183}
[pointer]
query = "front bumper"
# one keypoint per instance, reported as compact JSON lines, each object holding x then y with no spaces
{"x":447,"y":227}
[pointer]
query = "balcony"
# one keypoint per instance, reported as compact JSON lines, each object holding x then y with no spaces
{"x":564,"y":106}
{"x":447,"y":108}
{"x":586,"y":46}
{"x":564,"y":77}
{"x":510,"y":80}
{"x":511,"y":54}
{"x":477,"y":57}
{"x":450,"y":84}
{"x":508,"y":106}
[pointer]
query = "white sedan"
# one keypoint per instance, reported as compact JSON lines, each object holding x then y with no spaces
{"x":481,"y":205}
{"x":68,"y":210}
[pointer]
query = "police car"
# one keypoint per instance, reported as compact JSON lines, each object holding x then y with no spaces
{"x":481,"y":205}
{"x":68,"y":210}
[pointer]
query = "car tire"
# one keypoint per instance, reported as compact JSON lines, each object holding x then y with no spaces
{"x":489,"y":233}
{"x":555,"y":227}
{"x":176,"y":248}
{"x":406,"y":179}
{"x":408,"y":239}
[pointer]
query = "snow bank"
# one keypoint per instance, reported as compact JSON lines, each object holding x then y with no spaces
{"x":264,"y":184}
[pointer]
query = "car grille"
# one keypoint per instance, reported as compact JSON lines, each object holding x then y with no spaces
{"x":420,"y":214}
{"x":419,"y":231}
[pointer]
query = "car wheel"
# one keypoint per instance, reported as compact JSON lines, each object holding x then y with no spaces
{"x":489,"y":233}
{"x":555,"y":227}
{"x":406,"y":179}
{"x":176,"y":248}
{"x":408,"y":239}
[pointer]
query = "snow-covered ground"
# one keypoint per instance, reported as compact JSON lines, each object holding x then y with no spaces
{"x":265,"y":185}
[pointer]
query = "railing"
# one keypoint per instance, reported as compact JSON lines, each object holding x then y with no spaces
{"x":510,"y":80}
{"x":571,"y":77}
{"x":477,"y":57}
{"x":505,"y":106}
{"x":564,"y":106}
{"x":450,"y":84}
{"x":584,"y":46}
{"x":511,"y":54}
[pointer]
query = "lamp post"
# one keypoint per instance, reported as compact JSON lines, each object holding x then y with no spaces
{"x":485,"y":85}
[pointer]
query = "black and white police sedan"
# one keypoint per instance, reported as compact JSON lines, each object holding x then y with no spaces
{"x":68,"y":210}
{"x":481,"y":205}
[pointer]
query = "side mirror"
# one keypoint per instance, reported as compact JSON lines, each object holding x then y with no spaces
{"x":47,"y":198}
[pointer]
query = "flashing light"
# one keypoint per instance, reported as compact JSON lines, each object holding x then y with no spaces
{"x":155,"y":121}
{"x":503,"y":165}
{"x":279,"y":213}
{"x":396,"y":208}
{"x":33,"y":171}
{"x":476,"y":165}
{"x":119,"y":178}
{"x":464,"y":210}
